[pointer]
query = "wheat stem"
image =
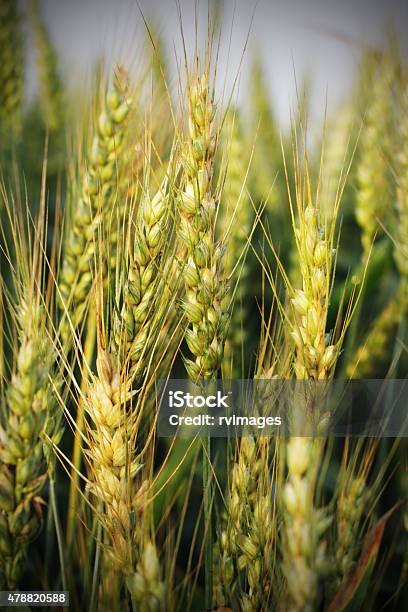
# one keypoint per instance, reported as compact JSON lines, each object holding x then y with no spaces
{"x":203,"y":275}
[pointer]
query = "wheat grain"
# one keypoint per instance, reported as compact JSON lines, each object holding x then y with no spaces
{"x":114,"y":465}
{"x":374,"y":189}
{"x":51,"y":91}
{"x":110,"y":454}
{"x":315,"y":356}
{"x":374,"y":347}
{"x":143,"y":278}
{"x":246,"y":541}
{"x":11,"y":68}
{"x":204,"y":305}
{"x":267,"y":160}
{"x":92,"y":207}
{"x":237,"y":210}
{"x":24,"y":470}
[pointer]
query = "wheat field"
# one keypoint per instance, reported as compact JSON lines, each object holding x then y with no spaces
{"x":156,"y":232}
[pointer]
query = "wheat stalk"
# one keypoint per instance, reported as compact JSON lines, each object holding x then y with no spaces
{"x":131,"y":326}
{"x":315,"y":355}
{"x":203,"y":275}
{"x":374,"y":190}
{"x":205,"y":287}
{"x":237,"y":213}
{"x":401,"y":250}
{"x":352,"y":500}
{"x":11,"y":68}
{"x":51,"y":90}
{"x":267,"y":159}
{"x":92,"y":208}
{"x":373,"y":349}
{"x":114,"y":465}
{"x":246,"y":541}
{"x":24,"y":470}
{"x":338,"y":142}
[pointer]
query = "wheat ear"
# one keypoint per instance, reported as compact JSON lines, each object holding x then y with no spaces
{"x":114,"y":465}
{"x":204,"y":304}
{"x":315,"y":357}
{"x":23,"y":469}
{"x":11,"y":68}
{"x":92,"y":207}
{"x":237,"y":212}
{"x":247,"y":537}
{"x":51,"y":90}
{"x":374,"y":188}
{"x":143,"y":277}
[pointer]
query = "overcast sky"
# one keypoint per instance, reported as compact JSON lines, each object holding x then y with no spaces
{"x":320,"y":38}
